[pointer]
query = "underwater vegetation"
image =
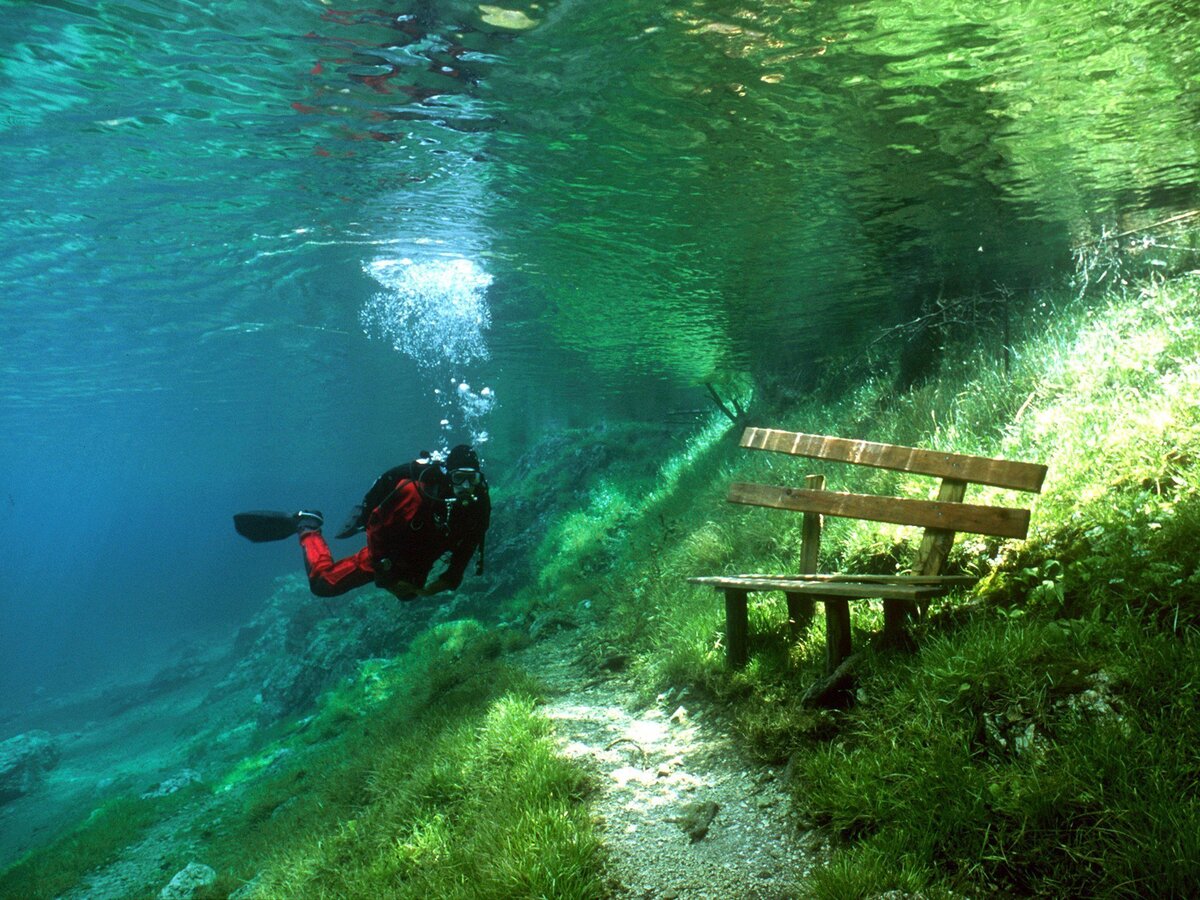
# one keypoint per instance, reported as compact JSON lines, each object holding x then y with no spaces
{"x":1042,"y":741}
{"x":50,"y":871}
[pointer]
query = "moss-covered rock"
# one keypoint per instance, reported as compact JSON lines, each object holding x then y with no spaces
{"x":24,"y":761}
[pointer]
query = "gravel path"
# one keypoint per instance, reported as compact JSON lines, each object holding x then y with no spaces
{"x":682,"y":812}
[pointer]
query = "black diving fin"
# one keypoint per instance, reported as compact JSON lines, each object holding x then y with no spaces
{"x":262,"y":525}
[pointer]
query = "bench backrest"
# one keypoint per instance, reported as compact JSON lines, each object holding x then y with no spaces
{"x":941,"y":518}
{"x":1001,"y":473}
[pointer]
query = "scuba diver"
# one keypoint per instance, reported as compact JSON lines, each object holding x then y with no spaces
{"x":413,"y":515}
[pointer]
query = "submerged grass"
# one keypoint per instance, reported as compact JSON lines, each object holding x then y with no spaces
{"x":442,"y":781}
{"x":429,"y":775}
{"x":1020,"y":758}
{"x":59,"y":866}
{"x":1042,"y":742}
{"x":481,"y":808}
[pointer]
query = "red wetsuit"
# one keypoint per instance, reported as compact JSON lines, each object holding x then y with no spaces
{"x":409,"y":528}
{"x":328,"y":578}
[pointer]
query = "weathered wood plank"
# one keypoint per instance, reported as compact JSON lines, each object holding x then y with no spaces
{"x":896,"y":614}
{"x":848,"y":589}
{"x":842,"y":576}
{"x":810,"y":534}
{"x":995,"y":520}
{"x":837,"y":632}
{"x":737,"y":627}
{"x":936,"y":543}
{"x":1020,"y":476}
{"x":800,"y":607}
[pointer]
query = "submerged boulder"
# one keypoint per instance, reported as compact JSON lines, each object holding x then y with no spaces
{"x":696,"y":818}
{"x":188,"y":881}
{"x":299,"y":646}
{"x":172,"y":785}
{"x":24,"y":761}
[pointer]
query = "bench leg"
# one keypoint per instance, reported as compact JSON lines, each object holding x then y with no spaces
{"x":896,"y":614}
{"x":800,"y":613}
{"x":737,"y":627}
{"x":837,"y":632}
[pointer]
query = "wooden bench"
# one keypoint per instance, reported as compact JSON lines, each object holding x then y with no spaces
{"x":903,"y":595}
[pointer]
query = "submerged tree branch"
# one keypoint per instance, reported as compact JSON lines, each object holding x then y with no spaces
{"x":737,"y":416}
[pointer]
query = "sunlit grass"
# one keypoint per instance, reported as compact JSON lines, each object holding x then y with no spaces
{"x":429,"y":774}
{"x":1105,"y":394}
{"x":482,"y":808}
{"x":585,"y":539}
{"x":394,"y":733}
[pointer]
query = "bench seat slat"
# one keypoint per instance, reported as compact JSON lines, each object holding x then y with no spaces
{"x":848,"y":589}
{"x":848,"y":576}
{"x":1019,"y":476}
{"x":994,"y":520}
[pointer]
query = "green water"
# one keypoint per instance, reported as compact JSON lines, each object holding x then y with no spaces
{"x":659,"y":191}
{"x":696,"y":186}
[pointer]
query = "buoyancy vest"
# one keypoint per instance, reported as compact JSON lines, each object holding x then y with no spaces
{"x":408,"y":528}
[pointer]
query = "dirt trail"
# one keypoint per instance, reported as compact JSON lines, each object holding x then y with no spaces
{"x":683,"y":813}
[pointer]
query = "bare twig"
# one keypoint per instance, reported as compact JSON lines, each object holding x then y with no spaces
{"x":737,"y":416}
{"x":624,"y":740}
{"x":1173,"y":220}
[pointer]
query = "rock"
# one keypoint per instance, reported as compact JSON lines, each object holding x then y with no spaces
{"x":187,"y":881}
{"x":24,"y":761}
{"x":171,"y":785}
{"x":299,"y":646}
{"x":696,"y":819}
{"x":549,"y":623}
{"x":615,"y":662}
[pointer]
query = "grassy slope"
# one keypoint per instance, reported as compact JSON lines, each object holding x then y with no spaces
{"x":1043,"y":740}
{"x":430,"y":775}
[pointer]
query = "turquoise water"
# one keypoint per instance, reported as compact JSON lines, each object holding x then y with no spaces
{"x":254,"y":253}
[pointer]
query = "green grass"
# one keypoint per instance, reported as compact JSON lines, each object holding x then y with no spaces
{"x":428,"y":774}
{"x":971,"y":766}
{"x":1020,"y":758}
{"x":118,"y":822}
{"x":483,"y":808}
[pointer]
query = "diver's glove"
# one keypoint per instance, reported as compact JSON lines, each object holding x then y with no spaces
{"x":356,"y":523}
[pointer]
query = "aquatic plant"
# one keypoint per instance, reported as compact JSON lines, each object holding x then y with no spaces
{"x":483,"y":808}
{"x":113,"y":825}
